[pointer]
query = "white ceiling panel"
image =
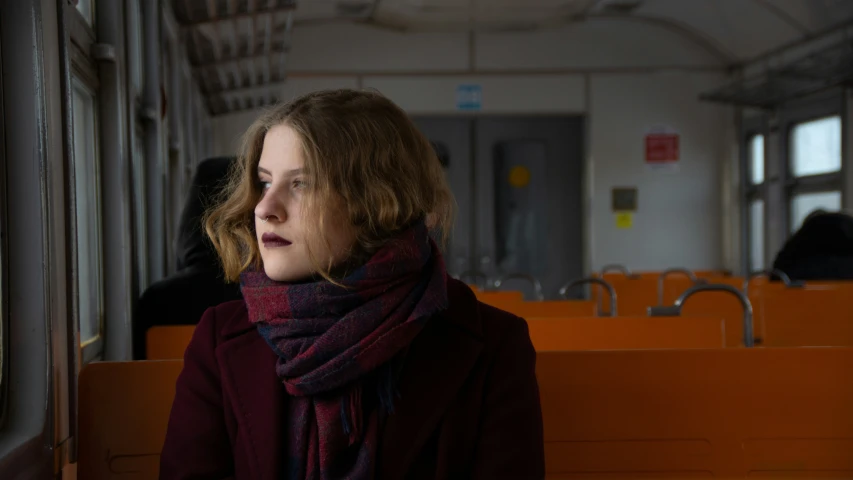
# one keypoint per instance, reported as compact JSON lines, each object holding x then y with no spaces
{"x":739,"y":28}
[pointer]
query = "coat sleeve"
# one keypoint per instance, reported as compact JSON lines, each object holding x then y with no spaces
{"x":197,"y":444}
{"x":511,"y":444}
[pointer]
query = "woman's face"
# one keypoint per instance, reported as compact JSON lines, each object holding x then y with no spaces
{"x":281,"y":223}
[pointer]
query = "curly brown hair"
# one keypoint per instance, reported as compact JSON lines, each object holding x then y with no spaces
{"x":361,"y":152}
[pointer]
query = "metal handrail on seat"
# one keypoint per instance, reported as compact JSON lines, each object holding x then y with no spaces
{"x":689,"y":273}
{"x":767,"y":273}
{"x":584,"y":281}
{"x":537,"y":286}
{"x":675,"y":309}
{"x":619,"y":268}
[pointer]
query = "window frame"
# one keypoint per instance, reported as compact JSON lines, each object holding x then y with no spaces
{"x":93,"y":13}
{"x":780,"y":185}
{"x":135,"y":51}
{"x":4,"y":255}
{"x":827,"y":105}
{"x":806,"y":184}
{"x":750,"y":192}
{"x":135,"y":54}
{"x":84,"y":69}
{"x":139,"y":186}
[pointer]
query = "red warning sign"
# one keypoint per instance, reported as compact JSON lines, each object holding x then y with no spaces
{"x":662,"y":148}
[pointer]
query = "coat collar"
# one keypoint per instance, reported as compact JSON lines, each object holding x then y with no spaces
{"x":443,"y":354}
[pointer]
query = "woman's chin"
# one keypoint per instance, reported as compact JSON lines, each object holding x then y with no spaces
{"x":284,"y":274}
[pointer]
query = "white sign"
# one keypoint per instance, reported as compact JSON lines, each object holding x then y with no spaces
{"x":469,"y":97}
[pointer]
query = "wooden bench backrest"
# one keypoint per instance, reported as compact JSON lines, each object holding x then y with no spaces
{"x":556,"y":308}
{"x":635,"y":295}
{"x":815,"y":315}
{"x":620,"y":414}
{"x":728,"y":413}
{"x":123,"y":413}
{"x":499,"y":297}
{"x":167,"y":343}
{"x":625,"y":333}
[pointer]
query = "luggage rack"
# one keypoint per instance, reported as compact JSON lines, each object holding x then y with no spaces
{"x":819,"y":70}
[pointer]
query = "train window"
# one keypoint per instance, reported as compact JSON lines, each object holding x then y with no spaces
{"x":87,"y":9}
{"x":815,"y":166}
{"x":804,"y":204}
{"x":754,"y":184}
{"x":87,"y":204}
{"x":756,"y":159}
{"x":816,"y":147}
{"x":756,"y":235}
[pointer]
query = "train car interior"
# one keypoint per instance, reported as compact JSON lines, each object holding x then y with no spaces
{"x":661,"y":189}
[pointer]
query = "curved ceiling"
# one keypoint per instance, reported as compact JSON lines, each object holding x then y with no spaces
{"x":736,"y":29}
{"x":234,"y":43}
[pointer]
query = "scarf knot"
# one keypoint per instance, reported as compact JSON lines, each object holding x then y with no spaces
{"x":340,"y":350}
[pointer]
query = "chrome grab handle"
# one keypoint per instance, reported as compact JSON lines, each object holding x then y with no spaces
{"x":537,"y":286}
{"x":615,"y":267}
{"x":584,"y":281}
{"x":689,"y":273}
{"x":767,"y":273}
{"x":675,"y":310}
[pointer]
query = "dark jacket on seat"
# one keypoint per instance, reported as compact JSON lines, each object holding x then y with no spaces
{"x":468,"y":405}
{"x":822,"y":249}
{"x":198,"y":284}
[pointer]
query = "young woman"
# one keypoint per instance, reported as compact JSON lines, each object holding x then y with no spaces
{"x":352,"y":354}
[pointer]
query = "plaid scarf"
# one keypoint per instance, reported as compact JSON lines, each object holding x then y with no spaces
{"x":335,"y":343}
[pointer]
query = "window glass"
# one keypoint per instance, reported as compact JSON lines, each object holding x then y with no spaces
{"x":756,"y":159}
{"x":816,"y":147}
{"x":87,"y":9}
{"x":756,"y":235}
{"x":804,"y":204}
{"x":87,"y":188}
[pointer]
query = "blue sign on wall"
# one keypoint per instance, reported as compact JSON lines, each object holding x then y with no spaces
{"x":469,"y":97}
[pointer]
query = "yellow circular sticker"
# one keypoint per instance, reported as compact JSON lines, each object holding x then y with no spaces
{"x":519,"y":176}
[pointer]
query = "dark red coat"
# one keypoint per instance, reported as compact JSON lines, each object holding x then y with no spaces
{"x":469,"y":405}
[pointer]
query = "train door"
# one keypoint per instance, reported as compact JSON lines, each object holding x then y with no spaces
{"x":517,"y":181}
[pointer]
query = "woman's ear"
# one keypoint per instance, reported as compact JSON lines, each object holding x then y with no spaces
{"x":431,"y":220}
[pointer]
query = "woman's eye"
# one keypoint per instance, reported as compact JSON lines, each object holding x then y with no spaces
{"x":299,"y":184}
{"x":264,"y":185}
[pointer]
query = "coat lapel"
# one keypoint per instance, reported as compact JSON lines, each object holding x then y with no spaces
{"x":257,"y":396}
{"x":437,"y":365}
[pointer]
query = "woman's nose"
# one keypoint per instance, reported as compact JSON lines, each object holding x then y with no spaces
{"x":271,"y":208}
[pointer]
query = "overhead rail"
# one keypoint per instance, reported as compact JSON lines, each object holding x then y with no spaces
{"x":820,"y":63}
